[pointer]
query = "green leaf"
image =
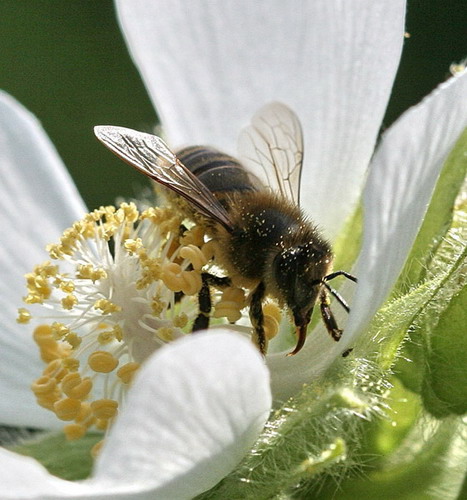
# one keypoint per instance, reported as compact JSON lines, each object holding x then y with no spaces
{"x":384,"y":435}
{"x":438,"y":217}
{"x":382,"y":341}
{"x":449,"y":266}
{"x":70,"y":460}
{"x":445,"y":384}
{"x":430,"y":464}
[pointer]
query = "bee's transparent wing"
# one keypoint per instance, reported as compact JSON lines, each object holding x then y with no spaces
{"x":150,"y":155}
{"x":272,"y":148}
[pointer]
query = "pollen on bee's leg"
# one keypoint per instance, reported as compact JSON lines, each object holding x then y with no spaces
{"x":272,"y":319}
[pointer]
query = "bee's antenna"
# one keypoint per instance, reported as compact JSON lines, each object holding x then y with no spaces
{"x":337,"y":296}
{"x":335,"y":293}
{"x":335,"y":274}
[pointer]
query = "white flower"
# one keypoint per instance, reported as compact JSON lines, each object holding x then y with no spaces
{"x":208,"y":66}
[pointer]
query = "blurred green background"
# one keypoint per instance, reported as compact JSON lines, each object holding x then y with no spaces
{"x":66,"y":61}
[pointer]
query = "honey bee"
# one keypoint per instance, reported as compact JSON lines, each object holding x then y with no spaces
{"x":264,"y":238}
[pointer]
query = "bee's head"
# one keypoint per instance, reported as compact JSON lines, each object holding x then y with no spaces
{"x":297,"y":273}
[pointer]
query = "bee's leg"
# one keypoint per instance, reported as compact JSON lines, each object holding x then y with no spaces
{"x":257,"y":317}
{"x":204,"y":303}
{"x":217,"y":281}
{"x":204,"y":299}
{"x":328,"y":318}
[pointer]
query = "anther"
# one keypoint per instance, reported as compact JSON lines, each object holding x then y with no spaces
{"x":102,"y":362}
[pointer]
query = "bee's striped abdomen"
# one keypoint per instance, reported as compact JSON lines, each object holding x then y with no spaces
{"x":219,"y":172}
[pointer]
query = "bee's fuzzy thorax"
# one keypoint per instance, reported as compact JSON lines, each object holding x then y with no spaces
{"x":266,"y":225}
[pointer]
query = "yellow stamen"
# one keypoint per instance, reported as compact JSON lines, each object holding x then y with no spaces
{"x":122,"y":271}
{"x":231,"y":304}
{"x":24,"y":316}
{"x":74,"y":340}
{"x":44,"y":385}
{"x":127,"y":372}
{"x":59,"y":330}
{"x":194,"y":236}
{"x":74,"y":431}
{"x":75,"y":387}
{"x":194,"y":255}
{"x":55,"y":369}
{"x":132,"y":246}
{"x":67,"y":408}
{"x":69,"y":302}
{"x":102,"y":362}
{"x":106,"y":306}
{"x":180,"y":321}
{"x":87,"y":271}
{"x":95,"y":450}
{"x":165,"y":333}
{"x":71,"y":364}
{"x":104,"y":409}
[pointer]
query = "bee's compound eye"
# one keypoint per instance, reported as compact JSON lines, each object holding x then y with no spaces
{"x":284,"y":269}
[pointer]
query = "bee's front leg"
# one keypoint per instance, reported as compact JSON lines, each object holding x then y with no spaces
{"x":257,"y":317}
{"x":328,"y":318}
{"x":204,"y":299}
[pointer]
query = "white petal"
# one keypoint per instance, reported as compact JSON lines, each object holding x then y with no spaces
{"x":403,"y":175}
{"x":22,"y":477}
{"x":37,"y":201}
{"x":289,"y":373}
{"x":208,"y":66}
{"x":196,"y":408}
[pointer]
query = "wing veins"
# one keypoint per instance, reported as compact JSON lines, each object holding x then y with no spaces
{"x":150,"y":155}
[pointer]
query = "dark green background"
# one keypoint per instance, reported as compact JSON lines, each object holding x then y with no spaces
{"x":66,"y":61}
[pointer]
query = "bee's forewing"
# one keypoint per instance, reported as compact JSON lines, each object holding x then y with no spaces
{"x":272,"y":148}
{"x":150,"y":155}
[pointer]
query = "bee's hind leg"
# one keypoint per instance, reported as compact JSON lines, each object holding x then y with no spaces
{"x":204,"y":299}
{"x":328,"y":318}
{"x":257,"y":317}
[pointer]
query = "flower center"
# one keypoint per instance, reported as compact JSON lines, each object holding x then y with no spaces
{"x":125,"y":283}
